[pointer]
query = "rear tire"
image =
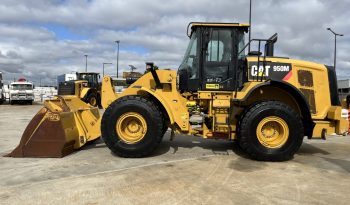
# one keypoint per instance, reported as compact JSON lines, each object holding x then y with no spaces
{"x":276,"y":123}
{"x":114,"y":115}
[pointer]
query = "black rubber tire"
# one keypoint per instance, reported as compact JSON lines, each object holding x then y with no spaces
{"x":89,"y":97}
{"x":152,"y":116}
{"x":99,"y":104}
{"x":12,"y":102}
{"x":249,"y":121}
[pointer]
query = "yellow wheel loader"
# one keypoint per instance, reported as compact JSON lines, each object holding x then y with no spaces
{"x":268,"y":104}
{"x":86,"y":87}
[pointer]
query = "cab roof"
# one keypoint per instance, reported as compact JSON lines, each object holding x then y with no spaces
{"x":214,"y":24}
{"x":88,"y":73}
{"x":21,"y":83}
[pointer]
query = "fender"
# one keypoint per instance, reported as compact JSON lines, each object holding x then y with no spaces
{"x":297,"y":95}
{"x":162,"y":102}
{"x":84,"y":92}
{"x":168,"y":98}
{"x":173,"y":105}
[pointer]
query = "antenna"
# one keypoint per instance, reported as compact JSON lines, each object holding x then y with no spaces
{"x":250,"y":23}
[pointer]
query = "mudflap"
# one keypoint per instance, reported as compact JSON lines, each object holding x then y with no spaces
{"x":60,"y":127}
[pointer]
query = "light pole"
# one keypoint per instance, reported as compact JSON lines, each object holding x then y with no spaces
{"x":86,"y":62}
{"x":118,"y":41}
{"x":335,"y":45}
{"x":103,"y":66}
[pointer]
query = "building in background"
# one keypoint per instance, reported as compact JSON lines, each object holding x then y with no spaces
{"x":131,"y":75}
{"x":343,"y":88}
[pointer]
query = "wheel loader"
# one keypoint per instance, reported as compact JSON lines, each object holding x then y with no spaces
{"x":265,"y":103}
{"x":86,"y":87}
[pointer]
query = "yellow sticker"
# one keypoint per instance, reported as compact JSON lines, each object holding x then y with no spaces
{"x":54,"y":117}
{"x":212,"y":86}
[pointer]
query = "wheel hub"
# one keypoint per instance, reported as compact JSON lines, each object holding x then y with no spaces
{"x":272,"y":132}
{"x":131,"y":127}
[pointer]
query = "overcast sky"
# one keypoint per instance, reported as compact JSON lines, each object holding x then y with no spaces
{"x":45,"y":38}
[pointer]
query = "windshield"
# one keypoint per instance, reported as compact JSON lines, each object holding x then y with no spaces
{"x":189,"y":62}
{"x":86,"y":77}
{"x":22,"y":87}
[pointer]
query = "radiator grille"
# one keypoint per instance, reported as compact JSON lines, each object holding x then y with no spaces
{"x":305,"y":78}
{"x":310,"y":97}
{"x":66,"y":88}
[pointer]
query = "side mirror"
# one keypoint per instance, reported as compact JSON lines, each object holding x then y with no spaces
{"x":99,"y":76}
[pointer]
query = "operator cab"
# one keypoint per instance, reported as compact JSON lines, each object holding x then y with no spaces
{"x":91,"y":78}
{"x":212,"y":57}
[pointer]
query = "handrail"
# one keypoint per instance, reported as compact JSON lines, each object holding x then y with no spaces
{"x":264,"y":60}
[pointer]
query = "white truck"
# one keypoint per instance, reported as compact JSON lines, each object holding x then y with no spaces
{"x":2,"y":93}
{"x":21,"y":92}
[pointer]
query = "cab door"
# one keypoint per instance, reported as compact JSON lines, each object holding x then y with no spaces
{"x":218,"y":57}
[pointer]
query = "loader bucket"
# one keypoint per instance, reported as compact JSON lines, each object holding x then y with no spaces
{"x":61,"y":126}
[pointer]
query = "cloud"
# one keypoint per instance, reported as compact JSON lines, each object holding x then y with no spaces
{"x":40,"y":39}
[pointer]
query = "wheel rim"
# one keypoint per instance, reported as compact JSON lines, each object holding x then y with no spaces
{"x":93,"y":101}
{"x":131,"y":127}
{"x":272,"y":132}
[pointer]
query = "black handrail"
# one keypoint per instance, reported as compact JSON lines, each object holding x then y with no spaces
{"x":264,"y":60}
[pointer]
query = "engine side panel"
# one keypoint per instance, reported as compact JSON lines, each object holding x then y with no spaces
{"x":310,"y":78}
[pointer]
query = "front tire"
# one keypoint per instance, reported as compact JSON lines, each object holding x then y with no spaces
{"x":270,"y":131}
{"x":92,"y":99}
{"x":132,"y":126}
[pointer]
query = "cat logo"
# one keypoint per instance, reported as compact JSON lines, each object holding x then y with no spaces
{"x":261,"y":71}
{"x":212,"y":86}
{"x":270,"y":70}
